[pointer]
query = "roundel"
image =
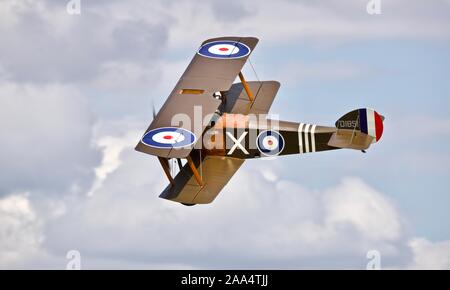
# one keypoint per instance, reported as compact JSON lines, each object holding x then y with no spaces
{"x":270,"y":143}
{"x":169,"y":137}
{"x":224,"y":49}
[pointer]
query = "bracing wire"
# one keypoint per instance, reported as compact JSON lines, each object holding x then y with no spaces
{"x":256,"y":75}
{"x":253,"y":68}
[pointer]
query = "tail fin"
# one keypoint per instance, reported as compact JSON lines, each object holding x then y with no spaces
{"x":358,"y":129}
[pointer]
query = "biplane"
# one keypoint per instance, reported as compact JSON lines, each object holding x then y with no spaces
{"x":210,"y":125}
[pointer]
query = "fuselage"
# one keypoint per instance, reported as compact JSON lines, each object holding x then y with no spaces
{"x":244,"y":137}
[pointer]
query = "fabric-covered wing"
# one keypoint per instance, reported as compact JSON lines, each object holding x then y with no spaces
{"x":214,"y":68}
{"x":216,"y":172}
{"x":237,"y":101}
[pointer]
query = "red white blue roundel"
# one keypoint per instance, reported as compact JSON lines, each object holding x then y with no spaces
{"x":270,"y":143}
{"x":224,"y":49}
{"x":168,"y":137}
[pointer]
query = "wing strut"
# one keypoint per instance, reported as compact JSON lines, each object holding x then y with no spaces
{"x":180,"y":165}
{"x":247,"y":89}
{"x":165,"y":165}
{"x":194,"y":171}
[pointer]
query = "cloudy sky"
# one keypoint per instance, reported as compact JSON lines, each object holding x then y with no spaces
{"x":76,"y":94}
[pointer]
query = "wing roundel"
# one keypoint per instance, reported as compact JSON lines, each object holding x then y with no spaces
{"x":179,"y":124}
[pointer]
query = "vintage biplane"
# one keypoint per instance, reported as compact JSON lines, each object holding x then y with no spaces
{"x":210,"y":125}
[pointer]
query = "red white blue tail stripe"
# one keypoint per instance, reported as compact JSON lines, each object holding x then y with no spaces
{"x":371,"y":123}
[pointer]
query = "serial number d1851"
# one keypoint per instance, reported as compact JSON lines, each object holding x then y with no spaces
{"x":347,"y":124}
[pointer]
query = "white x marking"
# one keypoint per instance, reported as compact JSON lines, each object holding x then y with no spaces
{"x":237,"y":143}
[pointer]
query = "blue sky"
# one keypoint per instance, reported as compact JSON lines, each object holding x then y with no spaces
{"x":83,"y":85}
{"x":407,"y":82}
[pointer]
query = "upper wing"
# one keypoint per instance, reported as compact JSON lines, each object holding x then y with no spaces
{"x":214,"y":68}
{"x":216,"y":171}
{"x":237,"y":101}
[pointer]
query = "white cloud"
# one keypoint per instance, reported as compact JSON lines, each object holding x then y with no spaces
{"x":283,"y":221}
{"x":258,"y":221}
{"x":369,"y":211}
{"x":20,"y":230}
{"x":46,"y":143}
{"x":42,"y":43}
{"x":112,"y":148}
{"x":430,"y":255}
{"x":127,"y":76}
{"x":325,"y":21}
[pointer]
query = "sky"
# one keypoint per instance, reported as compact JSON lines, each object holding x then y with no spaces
{"x":76,"y":94}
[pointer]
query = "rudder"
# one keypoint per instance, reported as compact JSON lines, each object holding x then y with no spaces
{"x":358,"y":129}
